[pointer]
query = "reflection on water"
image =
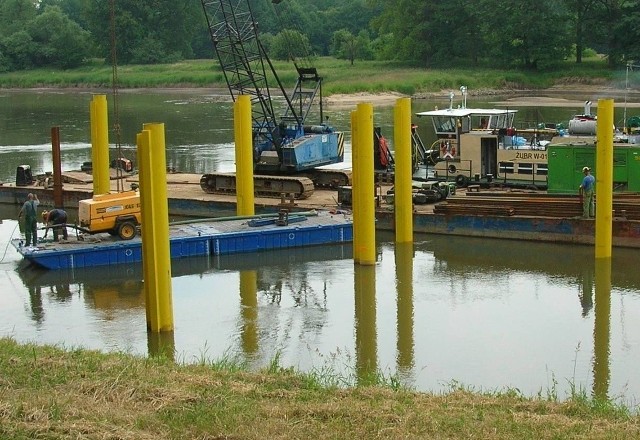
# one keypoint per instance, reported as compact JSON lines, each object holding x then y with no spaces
{"x":365,"y":320}
{"x":487,"y":313}
{"x":249,"y":304}
{"x":601,"y":329}
{"x":404,"y":318}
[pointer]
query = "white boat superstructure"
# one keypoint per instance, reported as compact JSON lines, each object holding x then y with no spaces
{"x":477,"y":143}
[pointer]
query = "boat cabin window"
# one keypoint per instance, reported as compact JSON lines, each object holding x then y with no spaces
{"x":446,"y":124}
{"x":443,"y":124}
{"x":542,"y":170}
{"x":525,"y":168}
{"x":464,"y":124}
{"x":501,"y":121}
{"x":506,"y":167}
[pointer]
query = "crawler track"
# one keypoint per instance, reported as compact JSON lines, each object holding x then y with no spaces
{"x":264,"y":186}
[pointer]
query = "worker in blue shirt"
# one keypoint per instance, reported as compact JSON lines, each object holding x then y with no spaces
{"x":587,"y":192}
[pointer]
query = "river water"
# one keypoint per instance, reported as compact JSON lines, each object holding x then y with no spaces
{"x":448,"y":311}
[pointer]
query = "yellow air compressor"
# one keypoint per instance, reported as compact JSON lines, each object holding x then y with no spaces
{"x":115,"y":213}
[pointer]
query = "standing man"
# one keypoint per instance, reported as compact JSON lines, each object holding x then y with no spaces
{"x":55,"y":219}
{"x":30,"y":218}
{"x":587,"y":193}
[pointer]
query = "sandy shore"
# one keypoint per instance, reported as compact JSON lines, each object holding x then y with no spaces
{"x":557,"y":96}
{"x":564,"y":95}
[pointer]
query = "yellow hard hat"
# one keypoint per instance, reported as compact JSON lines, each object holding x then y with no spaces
{"x":44,"y":214}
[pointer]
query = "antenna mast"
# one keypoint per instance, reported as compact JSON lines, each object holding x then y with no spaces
{"x":114,"y":86}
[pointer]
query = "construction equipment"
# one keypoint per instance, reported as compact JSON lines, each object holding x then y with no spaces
{"x":287,"y":151}
{"x":117,"y":214}
{"x":384,"y":162}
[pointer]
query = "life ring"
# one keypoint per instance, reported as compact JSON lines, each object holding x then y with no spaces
{"x":453,"y":151}
{"x":462,"y":180}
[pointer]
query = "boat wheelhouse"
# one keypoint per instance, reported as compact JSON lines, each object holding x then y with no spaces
{"x":476,"y":144}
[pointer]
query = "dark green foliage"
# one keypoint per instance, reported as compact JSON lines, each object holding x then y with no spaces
{"x":164,"y":27}
{"x":520,"y":34}
{"x":59,"y":42}
{"x":289,"y":45}
{"x":345,"y":45}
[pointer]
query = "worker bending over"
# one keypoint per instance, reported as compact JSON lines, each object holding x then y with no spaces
{"x":55,"y":219}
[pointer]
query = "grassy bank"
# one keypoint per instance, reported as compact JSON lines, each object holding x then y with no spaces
{"x":339,"y":75}
{"x":51,"y":393}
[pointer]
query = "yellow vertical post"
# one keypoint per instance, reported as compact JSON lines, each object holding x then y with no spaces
{"x":161,"y":345}
{"x":143,"y":140}
{"x":366,"y":186}
{"x":156,"y":258}
{"x":355,"y":169}
{"x":244,"y":155}
{"x":100,"y":145}
{"x":403,"y":171}
{"x":604,"y":179}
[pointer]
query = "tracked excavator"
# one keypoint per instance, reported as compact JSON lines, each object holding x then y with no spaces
{"x":286,"y":150}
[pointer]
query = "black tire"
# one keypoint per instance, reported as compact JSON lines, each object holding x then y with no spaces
{"x":127,"y":230}
{"x":462,"y":180}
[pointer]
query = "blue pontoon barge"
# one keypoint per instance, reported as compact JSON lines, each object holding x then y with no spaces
{"x":195,"y":238}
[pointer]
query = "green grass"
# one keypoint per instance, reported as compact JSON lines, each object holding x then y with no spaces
{"x":50,"y":393}
{"x":339,"y":76}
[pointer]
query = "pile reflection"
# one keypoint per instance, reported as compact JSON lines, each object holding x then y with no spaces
{"x":280,"y":304}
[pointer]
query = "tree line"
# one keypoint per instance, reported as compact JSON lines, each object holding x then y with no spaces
{"x":517,"y":34}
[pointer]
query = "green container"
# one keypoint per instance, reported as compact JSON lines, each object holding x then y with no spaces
{"x":566,"y":163}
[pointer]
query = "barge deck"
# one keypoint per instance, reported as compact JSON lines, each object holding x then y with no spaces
{"x":196,"y":238}
{"x":509,"y":214}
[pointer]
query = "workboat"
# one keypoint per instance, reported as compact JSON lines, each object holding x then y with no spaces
{"x":207,"y":237}
{"x":483,"y":146}
{"x":479,"y":144}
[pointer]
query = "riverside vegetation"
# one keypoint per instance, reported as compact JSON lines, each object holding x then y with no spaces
{"x":339,"y":76}
{"x":51,"y":393}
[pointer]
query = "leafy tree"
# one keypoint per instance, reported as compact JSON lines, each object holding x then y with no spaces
{"x":19,"y":49}
{"x":581,"y":12}
{"x":354,"y":16}
{"x":615,"y":29}
{"x":344,"y":45}
{"x":526,"y":34}
{"x":289,"y":44}
{"x":438,"y":32}
{"x":162,"y":26}
{"x":58,"y":41}
{"x":629,"y":27}
{"x":76,"y":10}
{"x":14,"y":15}
{"x":348,"y":46}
